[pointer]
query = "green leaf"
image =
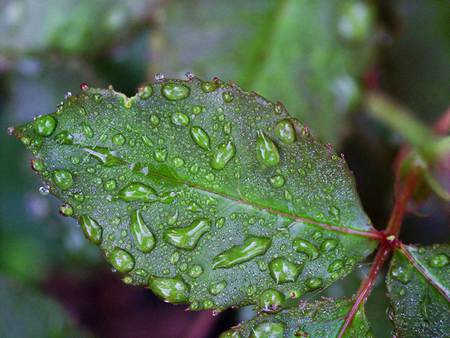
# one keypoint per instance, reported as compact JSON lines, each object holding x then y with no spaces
{"x":419,"y":289}
{"x":322,"y":318}
{"x":74,"y":27}
{"x":307,"y":54}
{"x":276,"y":219}
{"x":26,"y":313}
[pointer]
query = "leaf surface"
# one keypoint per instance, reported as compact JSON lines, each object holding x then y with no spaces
{"x":205,"y":193}
{"x":322,"y":318}
{"x":307,"y":54}
{"x":419,"y":289}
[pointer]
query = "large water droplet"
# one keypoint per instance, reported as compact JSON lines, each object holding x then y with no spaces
{"x":439,"y":261}
{"x":200,"y":137}
{"x":180,"y":119}
{"x":64,"y":137}
{"x":328,"y":245}
{"x":63,"y":178}
{"x":217,"y":287}
{"x":285,"y":131}
{"x":267,"y":151}
{"x":336,"y":265}
{"x":195,"y":271}
{"x":143,"y":237}
{"x":187,"y":237}
{"x":146,"y":92}
{"x":121,"y":260}
{"x":107,"y":157}
{"x":306,"y":247}
{"x":174,"y":290}
{"x":175,"y":91}
{"x":270,"y":299}
{"x":45,"y":125}
{"x":224,"y":153}
{"x":402,"y":273}
{"x":91,"y":229}
{"x":284,"y":271}
{"x":268,"y":330}
{"x":252,"y":247}
{"x":314,"y":283}
{"x":138,"y":192}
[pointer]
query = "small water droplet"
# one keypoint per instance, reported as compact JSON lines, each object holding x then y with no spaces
{"x":63,"y":178}
{"x":285,"y":131}
{"x":110,"y":185}
{"x":66,"y":210}
{"x":138,"y":192}
{"x":178,"y":162}
{"x":173,"y":290}
{"x":143,"y":237}
{"x":402,"y":273}
{"x":174,"y":91}
{"x":314,"y":283}
{"x":159,"y":76}
{"x":146,"y":92}
{"x":121,"y":260}
{"x":267,"y":151}
{"x":336,"y":266}
{"x":227,"y":97}
{"x":209,"y":86}
{"x":217,"y":287}
{"x":87,"y":130}
{"x":45,"y":125}
{"x":439,"y":261}
{"x":269,"y":330}
{"x":44,"y":190}
{"x":189,"y":75}
{"x":283,"y":271}
{"x":107,"y":157}
{"x":84,"y":86}
{"x":200,"y":137}
{"x":64,"y":137}
{"x":160,"y":154}
{"x":270,"y":299}
{"x":187,"y":237}
{"x":277,"y":181}
{"x":37,"y":165}
{"x":328,"y":245}
{"x":306,"y":247}
{"x":195,"y":271}
{"x":252,"y":247}
{"x":91,"y":229}
{"x":118,"y":139}
{"x":223,"y":154}
{"x":180,"y":119}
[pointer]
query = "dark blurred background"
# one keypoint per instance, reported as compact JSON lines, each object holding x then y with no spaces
{"x":318,"y":57}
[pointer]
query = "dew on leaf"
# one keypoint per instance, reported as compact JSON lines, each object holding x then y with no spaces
{"x":277,"y":181}
{"x":402,"y":273}
{"x":283,"y":271}
{"x":138,"y":192}
{"x":266,"y":150}
{"x":121,"y":260}
{"x":222,"y":155}
{"x":336,"y":265}
{"x":306,"y":247}
{"x":37,"y":165}
{"x":227,"y":97}
{"x":107,"y":157}
{"x":200,"y":137}
{"x":64,"y":137}
{"x":187,"y":237}
{"x":45,"y":125}
{"x":118,"y":139}
{"x":91,"y":229}
{"x":143,"y":237}
{"x":173,"y":290}
{"x":195,"y":271}
{"x":63,"y":178}
{"x":270,"y":299}
{"x":160,"y":154}
{"x":439,"y":261}
{"x":328,"y":245}
{"x":252,"y":247}
{"x":66,"y":210}
{"x":110,"y":185}
{"x":175,"y":91}
{"x":285,"y":131}
{"x":146,"y":92}
{"x":209,"y":86}
{"x":180,"y":119}
{"x":87,"y":130}
{"x":314,"y":283}
{"x":268,"y":330}
{"x":217,"y":287}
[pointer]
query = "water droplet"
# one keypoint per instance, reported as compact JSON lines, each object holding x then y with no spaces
{"x":195,"y":271}
{"x":227,"y":97}
{"x":230,"y":334}
{"x":175,"y":91}
{"x":160,"y":154}
{"x":304,"y":246}
{"x":143,"y":237}
{"x":277,"y":181}
{"x":138,"y":192}
{"x":224,"y":153}
{"x":98,"y":98}
{"x":44,"y":190}
{"x":121,"y":260}
{"x":159,"y":76}
{"x":84,"y":86}
{"x":146,"y":92}
{"x":189,"y":75}
{"x":439,"y":261}
{"x":268,"y":330}
{"x":174,"y":290}
{"x":154,"y":120}
{"x":87,"y":130}
{"x":64,"y":137}
{"x":209,"y":86}
{"x":336,"y":265}
{"x":217,"y":287}
{"x":335,"y":212}
{"x":328,"y":245}
{"x":270,"y":299}
{"x":220,"y":222}
{"x":267,"y":151}
{"x":252,"y":247}
{"x":118,"y":139}
{"x":63,"y":178}
{"x":402,"y":273}
{"x":91,"y":229}
{"x":283,"y":271}
{"x":45,"y":125}
{"x":37,"y":165}
{"x":66,"y":210}
{"x":180,"y":119}
{"x":178,"y":162}
{"x":200,"y":137}
{"x":187,"y":237}
{"x":110,"y":185}
{"x":107,"y":157}
{"x":285,"y":131}
{"x":313,"y":283}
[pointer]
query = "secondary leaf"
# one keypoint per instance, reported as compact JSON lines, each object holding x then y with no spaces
{"x":27,"y":314}
{"x":322,"y":318}
{"x":419,"y":290}
{"x":205,"y":193}
{"x":307,"y":54}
